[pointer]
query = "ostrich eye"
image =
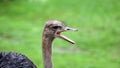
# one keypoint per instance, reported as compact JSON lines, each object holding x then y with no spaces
{"x":55,"y":27}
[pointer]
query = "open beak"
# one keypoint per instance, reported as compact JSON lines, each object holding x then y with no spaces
{"x":58,"y":34}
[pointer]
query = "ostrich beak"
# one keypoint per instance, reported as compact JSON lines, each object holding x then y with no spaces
{"x":64,"y":37}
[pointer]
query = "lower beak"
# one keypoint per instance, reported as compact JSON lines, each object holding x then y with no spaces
{"x":64,"y":37}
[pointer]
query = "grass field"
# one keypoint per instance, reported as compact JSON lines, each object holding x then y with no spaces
{"x":97,"y":41}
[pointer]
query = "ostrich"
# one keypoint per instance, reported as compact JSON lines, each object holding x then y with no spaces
{"x":14,"y":60}
{"x":52,"y":30}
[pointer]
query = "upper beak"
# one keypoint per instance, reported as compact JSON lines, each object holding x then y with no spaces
{"x":64,"y":37}
{"x":70,"y":29}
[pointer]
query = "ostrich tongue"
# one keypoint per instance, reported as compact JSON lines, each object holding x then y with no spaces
{"x":64,"y":37}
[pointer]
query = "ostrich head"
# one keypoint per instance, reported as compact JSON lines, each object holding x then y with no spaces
{"x":53,"y":29}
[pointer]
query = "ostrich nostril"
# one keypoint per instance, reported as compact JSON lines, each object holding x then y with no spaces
{"x":68,"y":29}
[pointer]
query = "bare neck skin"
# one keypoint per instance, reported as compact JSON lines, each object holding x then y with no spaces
{"x":47,"y":50}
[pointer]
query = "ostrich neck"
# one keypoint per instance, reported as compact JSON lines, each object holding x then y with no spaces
{"x":47,"y":50}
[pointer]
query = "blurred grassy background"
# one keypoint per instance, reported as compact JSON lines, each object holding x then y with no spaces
{"x":97,"y":41}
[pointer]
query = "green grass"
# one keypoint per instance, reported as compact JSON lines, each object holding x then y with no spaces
{"x":97,"y":41}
